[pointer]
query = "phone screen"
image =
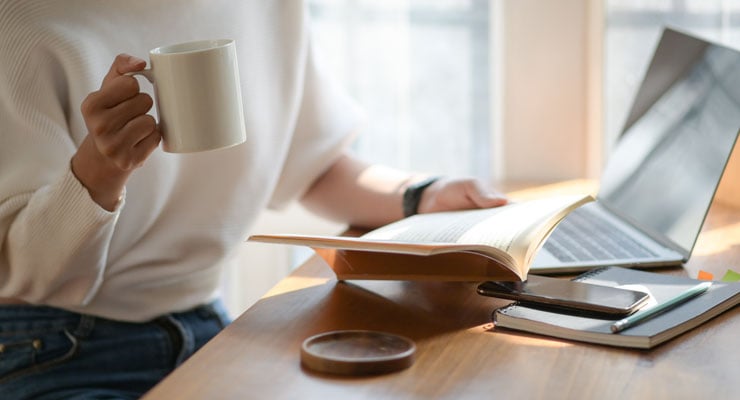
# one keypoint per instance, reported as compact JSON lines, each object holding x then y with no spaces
{"x":563,"y":293}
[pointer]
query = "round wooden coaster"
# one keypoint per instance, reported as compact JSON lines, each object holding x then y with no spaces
{"x":357,"y":352}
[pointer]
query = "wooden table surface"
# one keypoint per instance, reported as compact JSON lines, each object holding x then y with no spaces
{"x":459,"y":353}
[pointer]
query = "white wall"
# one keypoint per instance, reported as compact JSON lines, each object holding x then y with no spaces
{"x":549,"y":55}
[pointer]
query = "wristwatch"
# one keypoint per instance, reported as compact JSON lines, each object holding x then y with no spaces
{"x":412,"y":195}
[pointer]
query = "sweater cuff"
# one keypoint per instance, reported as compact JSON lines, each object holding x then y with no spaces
{"x":72,"y":189}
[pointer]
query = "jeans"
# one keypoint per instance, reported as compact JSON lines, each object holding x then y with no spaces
{"x":48,"y":353}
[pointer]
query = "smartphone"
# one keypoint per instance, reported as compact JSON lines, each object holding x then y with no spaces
{"x":563,"y":294}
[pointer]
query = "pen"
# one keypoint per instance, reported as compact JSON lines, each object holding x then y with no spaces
{"x":640,"y":316}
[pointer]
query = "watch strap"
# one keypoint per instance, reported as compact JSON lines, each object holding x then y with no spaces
{"x":412,"y":195}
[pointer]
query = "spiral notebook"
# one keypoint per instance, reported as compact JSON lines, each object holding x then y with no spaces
{"x":663,"y":327}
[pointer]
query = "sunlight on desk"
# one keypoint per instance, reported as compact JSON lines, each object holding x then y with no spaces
{"x":718,"y":240}
{"x":525,"y":340}
{"x":519,"y":339}
{"x":293,"y":283}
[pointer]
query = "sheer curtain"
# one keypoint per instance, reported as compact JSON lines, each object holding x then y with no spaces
{"x":420,"y":68}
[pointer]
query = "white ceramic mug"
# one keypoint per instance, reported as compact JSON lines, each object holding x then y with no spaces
{"x":197,"y":94}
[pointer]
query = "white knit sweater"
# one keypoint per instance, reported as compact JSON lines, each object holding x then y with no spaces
{"x":162,"y":249}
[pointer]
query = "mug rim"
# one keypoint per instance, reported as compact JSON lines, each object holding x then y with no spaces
{"x":191,"y":47}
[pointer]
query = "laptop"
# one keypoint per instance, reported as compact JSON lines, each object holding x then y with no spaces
{"x":659,"y":182}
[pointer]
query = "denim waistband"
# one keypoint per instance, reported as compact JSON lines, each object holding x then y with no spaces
{"x":32,"y":317}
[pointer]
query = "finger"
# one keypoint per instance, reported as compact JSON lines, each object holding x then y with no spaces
{"x":147,"y":145}
{"x":482,"y":197}
{"x":123,"y":64}
{"x":137,"y":130}
{"x":130,"y":147}
{"x":118,"y":90}
{"x":115,"y":87}
{"x":113,"y":93}
{"x":107,"y":121}
{"x":124,"y":112}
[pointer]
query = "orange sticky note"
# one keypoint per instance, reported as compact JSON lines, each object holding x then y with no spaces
{"x":705,"y":276}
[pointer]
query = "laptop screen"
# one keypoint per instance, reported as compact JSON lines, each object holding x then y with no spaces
{"x":678,"y":138}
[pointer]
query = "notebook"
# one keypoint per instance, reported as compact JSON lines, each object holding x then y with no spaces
{"x":659,"y":182}
{"x":652,"y":332}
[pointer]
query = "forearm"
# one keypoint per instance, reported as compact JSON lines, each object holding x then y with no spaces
{"x":368,"y":196}
{"x":104,"y":182}
{"x":358,"y":193}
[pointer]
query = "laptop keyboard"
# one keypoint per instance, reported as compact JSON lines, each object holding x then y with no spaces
{"x":586,"y":236}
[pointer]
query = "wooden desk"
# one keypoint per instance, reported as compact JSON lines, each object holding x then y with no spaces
{"x":460,"y":354}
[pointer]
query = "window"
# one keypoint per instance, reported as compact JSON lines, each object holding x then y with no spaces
{"x":420,"y":68}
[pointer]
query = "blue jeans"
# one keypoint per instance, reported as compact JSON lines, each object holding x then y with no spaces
{"x":48,"y":353}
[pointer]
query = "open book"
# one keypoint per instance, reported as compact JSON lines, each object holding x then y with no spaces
{"x":471,"y":245}
{"x":661,"y":287}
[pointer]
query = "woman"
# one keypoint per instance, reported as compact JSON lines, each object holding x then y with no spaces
{"x":110,"y":249}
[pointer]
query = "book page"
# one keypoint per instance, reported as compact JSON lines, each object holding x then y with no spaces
{"x":509,"y":234}
{"x":496,"y":227}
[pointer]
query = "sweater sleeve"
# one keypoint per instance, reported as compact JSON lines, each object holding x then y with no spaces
{"x":327,"y":123}
{"x":55,"y":244}
{"x":54,"y":238}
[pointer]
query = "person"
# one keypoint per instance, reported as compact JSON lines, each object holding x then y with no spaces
{"x":110,"y":248}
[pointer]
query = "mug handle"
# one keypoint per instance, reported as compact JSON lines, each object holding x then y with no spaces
{"x":146,"y":73}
